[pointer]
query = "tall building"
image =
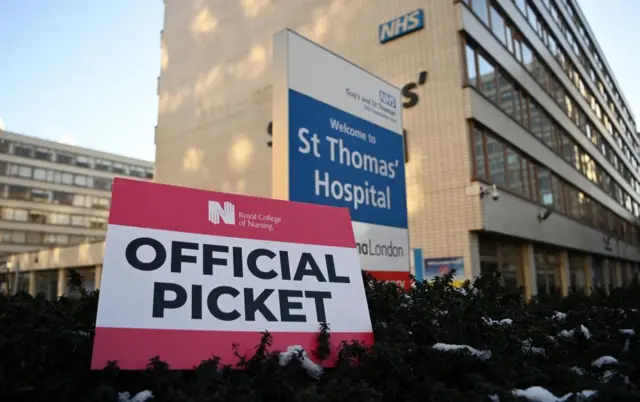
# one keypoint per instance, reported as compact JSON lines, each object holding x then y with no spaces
{"x":511,"y":93}
{"x":53,"y":194}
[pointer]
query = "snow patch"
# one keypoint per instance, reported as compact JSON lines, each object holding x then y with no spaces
{"x":505,"y":321}
{"x":629,"y":332}
{"x":604,"y":360}
{"x":559,"y":316}
{"x":527,"y":347}
{"x":298,"y":352}
{"x":540,"y":394}
{"x":445,"y":347}
{"x":141,"y":396}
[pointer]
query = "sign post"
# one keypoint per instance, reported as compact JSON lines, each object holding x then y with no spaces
{"x":187,"y":273}
{"x":338,"y":141}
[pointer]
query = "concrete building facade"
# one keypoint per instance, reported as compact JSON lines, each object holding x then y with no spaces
{"x":511,"y":93}
{"x":54,"y":194}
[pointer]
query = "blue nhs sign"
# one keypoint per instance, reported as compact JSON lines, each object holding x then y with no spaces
{"x":397,"y":27}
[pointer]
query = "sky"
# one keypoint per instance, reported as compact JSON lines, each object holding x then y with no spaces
{"x":85,"y":72}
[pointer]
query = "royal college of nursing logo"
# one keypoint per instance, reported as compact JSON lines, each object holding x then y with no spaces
{"x":217,"y":213}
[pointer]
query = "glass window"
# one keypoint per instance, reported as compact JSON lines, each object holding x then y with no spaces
{"x":43,"y":154}
{"x":3,"y":168}
{"x":119,"y":168}
{"x":497,"y":25}
{"x":514,"y":172}
{"x":62,"y":198}
{"x":18,"y":237}
{"x":4,"y":146}
{"x":40,"y":195}
{"x":544,"y":186}
{"x":478,"y":149}
{"x":78,"y":220}
{"x":83,"y":161}
{"x":18,"y":192}
{"x":102,"y":184}
{"x":24,"y":151}
{"x":79,"y":200}
{"x":495,"y":155}
{"x":67,"y":178}
{"x":80,"y":180}
{"x":103,"y":165}
{"x":25,"y":171}
{"x":487,"y":77}
{"x":65,"y":158}
{"x":480,"y":8}
{"x":40,"y":174}
{"x":507,"y":95}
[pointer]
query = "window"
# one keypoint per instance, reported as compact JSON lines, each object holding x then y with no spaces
{"x":40,"y":174}
{"x":78,"y":220}
{"x":79,"y":200}
{"x":478,"y":149}
{"x":480,"y":8}
{"x":471,"y":66}
{"x":24,"y":151}
{"x":487,"y":78}
{"x":136,"y":171}
{"x":43,"y":154}
{"x":514,"y":172}
{"x":5,"y":145}
{"x":495,"y":156}
{"x":18,"y":192}
{"x":65,"y":158}
{"x":80,"y":180}
{"x":62,"y":198}
{"x":40,"y":195}
{"x":83,"y":161}
{"x":67,"y":178}
{"x":25,"y":171}
{"x":102,"y":184}
{"x":119,"y":168}
{"x":497,"y":25}
{"x":103,"y":165}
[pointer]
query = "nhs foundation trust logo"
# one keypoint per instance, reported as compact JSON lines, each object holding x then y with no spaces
{"x":400,"y":26}
{"x":387,"y":99}
{"x":217,"y":213}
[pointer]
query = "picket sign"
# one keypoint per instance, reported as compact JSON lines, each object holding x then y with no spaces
{"x":188,"y":273}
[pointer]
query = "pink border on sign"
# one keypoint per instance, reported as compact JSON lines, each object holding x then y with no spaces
{"x":180,"y":209}
{"x":186,"y":349}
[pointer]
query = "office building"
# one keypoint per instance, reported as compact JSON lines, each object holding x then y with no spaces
{"x":511,"y":93}
{"x":54,"y":194}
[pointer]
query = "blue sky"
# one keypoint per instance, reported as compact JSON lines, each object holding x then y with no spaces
{"x":85,"y":71}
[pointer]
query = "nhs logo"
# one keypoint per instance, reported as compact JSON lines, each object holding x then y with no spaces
{"x":387,"y":99}
{"x":411,"y":22}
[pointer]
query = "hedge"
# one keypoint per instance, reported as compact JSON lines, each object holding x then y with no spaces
{"x":505,"y":347}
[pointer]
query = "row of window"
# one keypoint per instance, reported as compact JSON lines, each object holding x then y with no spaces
{"x":55,"y":176}
{"x":67,"y":158}
{"x":52,"y":218}
{"x":494,"y":84}
{"x":594,"y":53}
{"x":514,"y":41}
{"x":15,"y":192}
{"x":496,"y":162}
{"x":599,"y":110}
{"x":43,"y":238}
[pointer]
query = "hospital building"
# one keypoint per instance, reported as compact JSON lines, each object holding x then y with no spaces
{"x":522,"y":153}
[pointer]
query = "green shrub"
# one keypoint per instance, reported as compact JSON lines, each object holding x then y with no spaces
{"x":45,"y":351}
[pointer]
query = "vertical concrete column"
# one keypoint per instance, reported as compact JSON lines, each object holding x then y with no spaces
{"x":98,"y":277}
{"x":565,"y":278}
{"x":617,"y":274}
{"x":32,"y":282}
{"x":529,"y":272}
{"x":588,"y":274}
{"x":626,"y":267}
{"x":606,"y":275}
{"x":62,"y":281}
{"x":472,"y":264}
